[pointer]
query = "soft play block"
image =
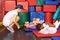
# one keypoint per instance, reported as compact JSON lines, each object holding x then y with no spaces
{"x":38,"y":8}
{"x":5,"y":12}
{"x":25,"y":6}
{"x":9,"y":0}
{"x":56,"y":14}
{"x":59,"y":6}
{"x":48,"y":17}
{"x":20,"y":0}
{"x":40,"y":15}
{"x":46,"y":35}
{"x":58,"y":28}
{"x":24,"y":17}
{"x":49,"y":8}
{"x":32,"y":2}
{"x":59,"y":1}
{"x":36,"y":15}
{"x":58,"y":17}
{"x":29,"y":30}
{"x":9,"y":5}
{"x":51,"y":2}
{"x":54,"y":21}
{"x":31,"y":9}
{"x":1,"y":12}
{"x":32,"y":15}
{"x":56,"y":38}
{"x":40,"y":2}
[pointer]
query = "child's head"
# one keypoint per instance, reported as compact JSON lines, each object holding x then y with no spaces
{"x":19,"y":7}
{"x":39,"y":26}
{"x":36,"y":20}
{"x":26,"y":24}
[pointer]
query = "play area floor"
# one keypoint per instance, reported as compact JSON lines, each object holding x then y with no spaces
{"x":19,"y":35}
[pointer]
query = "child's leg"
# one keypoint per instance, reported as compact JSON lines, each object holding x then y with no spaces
{"x":16,"y":22}
{"x":13,"y":21}
{"x":50,"y":24}
{"x":56,"y":24}
{"x":10,"y":28}
{"x":44,"y":24}
{"x":18,"y":26}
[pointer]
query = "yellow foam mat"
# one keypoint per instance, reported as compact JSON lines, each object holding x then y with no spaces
{"x":1,"y":24}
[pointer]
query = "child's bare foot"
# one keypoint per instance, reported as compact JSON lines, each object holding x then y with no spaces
{"x":18,"y":27}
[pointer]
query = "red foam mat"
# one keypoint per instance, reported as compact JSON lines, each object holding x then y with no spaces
{"x":46,"y":35}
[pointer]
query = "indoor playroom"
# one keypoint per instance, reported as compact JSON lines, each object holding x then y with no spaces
{"x":29,"y":19}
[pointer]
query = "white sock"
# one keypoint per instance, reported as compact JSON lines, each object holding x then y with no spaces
{"x":44,"y":24}
{"x":10,"y":29}
{"x":57,"y":24}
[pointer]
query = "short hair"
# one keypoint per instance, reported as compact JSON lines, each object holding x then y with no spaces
{"x":19,"y":6}
{"x":38,"y":26}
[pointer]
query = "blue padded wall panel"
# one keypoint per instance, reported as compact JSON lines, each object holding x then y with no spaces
{"x":31,"y":8}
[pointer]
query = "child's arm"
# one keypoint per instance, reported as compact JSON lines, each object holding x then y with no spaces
{"x":50,"y":25}
{"x":13,"y":18}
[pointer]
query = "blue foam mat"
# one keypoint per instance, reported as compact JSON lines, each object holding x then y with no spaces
{"x":29,"y":30}
{"x":36,"y":15}
{"x":31,"y":9}
{"x":51,"y":2}
{"x":56,"y":38}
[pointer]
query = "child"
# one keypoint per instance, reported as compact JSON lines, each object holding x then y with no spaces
{"x":26,"y":24}
{"x":33,"y":23}
{"x":37,"y":21}
{"x":12,"y":18}
{"x":48,"y":28}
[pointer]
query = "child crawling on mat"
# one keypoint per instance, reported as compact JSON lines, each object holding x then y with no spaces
{"x":48,"y":28}
{"x":33,"y":23}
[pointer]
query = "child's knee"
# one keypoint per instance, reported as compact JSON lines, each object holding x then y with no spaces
{"x":18,"y":18}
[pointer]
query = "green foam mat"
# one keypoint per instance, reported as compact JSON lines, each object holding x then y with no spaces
{"x":39,"y":2}
{"x":24,"y":16}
